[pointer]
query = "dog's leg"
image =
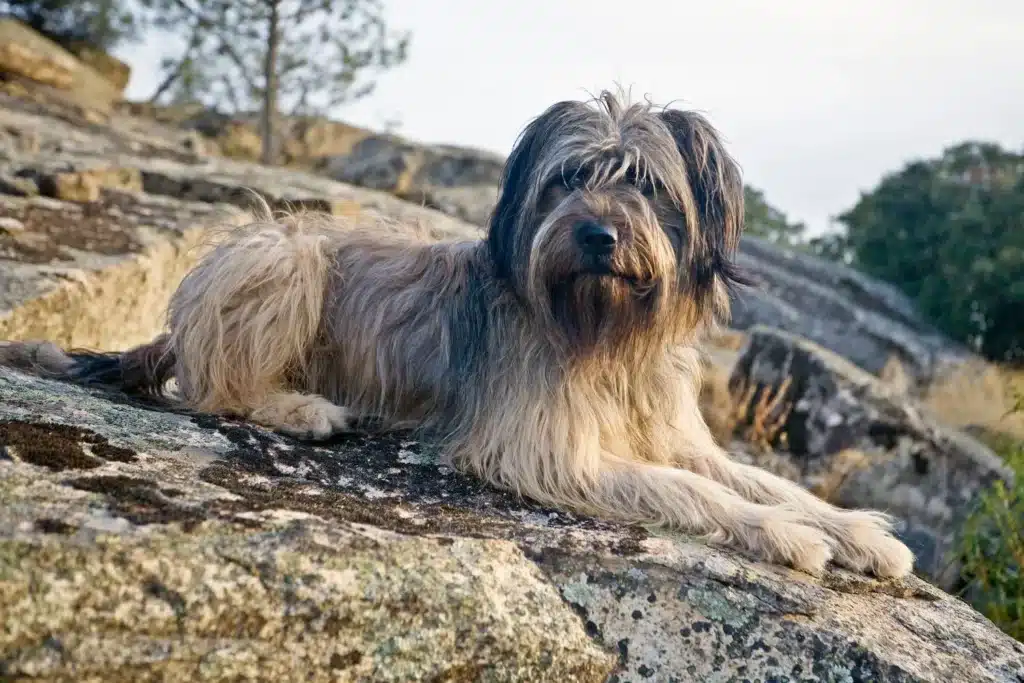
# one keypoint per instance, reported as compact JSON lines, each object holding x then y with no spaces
{"x":863,"y":538}
{"x":244,"y":323}
{"x":697,"y":505}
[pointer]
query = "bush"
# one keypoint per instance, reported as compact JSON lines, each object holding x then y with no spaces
{"x":992,"y":546}
{"x":947,"y":231}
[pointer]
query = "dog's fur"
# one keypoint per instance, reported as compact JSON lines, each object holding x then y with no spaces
{"x":570,"y":379}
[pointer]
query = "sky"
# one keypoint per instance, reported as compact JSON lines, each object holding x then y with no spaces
{"x":817,"y":99}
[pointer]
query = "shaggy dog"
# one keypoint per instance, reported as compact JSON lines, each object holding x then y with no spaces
{"x":556,"y":358}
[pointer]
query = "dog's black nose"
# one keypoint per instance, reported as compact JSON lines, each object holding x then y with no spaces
{"x":596,"y":238}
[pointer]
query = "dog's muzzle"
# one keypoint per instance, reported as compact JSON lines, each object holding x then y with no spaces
{"x":596,"y":239}
{"x":596,"y":242}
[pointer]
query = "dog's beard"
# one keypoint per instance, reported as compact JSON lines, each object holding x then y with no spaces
{"x":590,"y":305}
{"x":602,"y":310}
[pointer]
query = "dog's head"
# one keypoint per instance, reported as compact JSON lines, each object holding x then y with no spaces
{"x":616,"y":221}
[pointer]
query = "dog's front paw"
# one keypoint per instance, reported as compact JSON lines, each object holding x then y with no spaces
{"x":804,"y":548}
{"x":866,"y":545}
{"x":792,"y":543}
{"x":304,"y":416}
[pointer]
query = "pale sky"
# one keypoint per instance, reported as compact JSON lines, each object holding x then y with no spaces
{"x":816,"y":98}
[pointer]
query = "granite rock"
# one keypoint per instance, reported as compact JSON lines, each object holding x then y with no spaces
{"x":142,"y":543}
{"x":457,"y":180}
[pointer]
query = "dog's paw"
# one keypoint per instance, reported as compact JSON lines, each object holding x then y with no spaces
{"x":304,"y":416}
{"x":809,"y":550}
{"x":795,"y":544}
{"x":866,"y":545}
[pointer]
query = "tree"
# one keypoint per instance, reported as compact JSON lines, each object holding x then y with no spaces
{"x":949,"y":231}
{"x":831,"y":246}
{"x":764,"y":220}
{"x":103,"y":24}
{"x":302,"y":57}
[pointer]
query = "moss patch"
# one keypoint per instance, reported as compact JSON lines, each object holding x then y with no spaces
{"x":139,"y":500}
{"x":58,"y":447}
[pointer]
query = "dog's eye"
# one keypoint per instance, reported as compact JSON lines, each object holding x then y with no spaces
{"x":641,"y":182}
{"x":573,"y":181}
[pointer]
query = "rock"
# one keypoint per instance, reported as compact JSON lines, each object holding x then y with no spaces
{"x":52,"y":71}
{"x":97,"y":275}
{"x":304,"y":141}
{"x":308,"y":140}
{"x":86,"y":185}
{"x":116,"y":72}
{"x":142,"y":543}
{"x":240,"y":141}
{"x":866,"y":321}
{"x":11,"y":225}
{"x":18,"y":186}
{"x":97,"y":270}
{"x":459,"y":181}
{"x":19,"y":60}
{"x":854,"y":441}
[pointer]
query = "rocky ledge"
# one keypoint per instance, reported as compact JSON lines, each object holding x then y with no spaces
{"x":141,"y":543}
{"x":99,"y":223}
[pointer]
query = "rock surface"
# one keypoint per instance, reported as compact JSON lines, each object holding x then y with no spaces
{"x":866,"y":321}
{"x":112,"y":215}
{"x":457,"y":180}
{"x":27,"y":55}
{"x":856,"y":442}
{"x":138,"y":543}
{"x":305,"y":141}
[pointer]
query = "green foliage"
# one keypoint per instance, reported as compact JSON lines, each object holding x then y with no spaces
{"x":103,"y":24}
{"x":949,"y":232}
{"x":764,"y":220}
{"x":831,"y":246}
{"x":992,"y":544}
{"x":326,"y":52}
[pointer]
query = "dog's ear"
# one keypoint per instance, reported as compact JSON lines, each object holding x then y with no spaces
{"x":717,"y":185}
{"x":514,"y":211}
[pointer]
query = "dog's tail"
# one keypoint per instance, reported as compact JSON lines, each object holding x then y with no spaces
{"x":144,"y":369}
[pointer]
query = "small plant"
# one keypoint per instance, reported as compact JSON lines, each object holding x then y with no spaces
{"x":764,"y":418}
{"x":992,"y":546}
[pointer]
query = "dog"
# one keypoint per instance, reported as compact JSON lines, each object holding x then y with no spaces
{"x":556,"y":357}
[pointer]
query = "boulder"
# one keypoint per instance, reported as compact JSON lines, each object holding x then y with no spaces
{"x":855,"y":441}
{"x":19,"y":60}
{"x":305,"y":141}
{"x":138,"y":542}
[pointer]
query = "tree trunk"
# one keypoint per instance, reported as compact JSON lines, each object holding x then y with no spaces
{"x":268,"y":131}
